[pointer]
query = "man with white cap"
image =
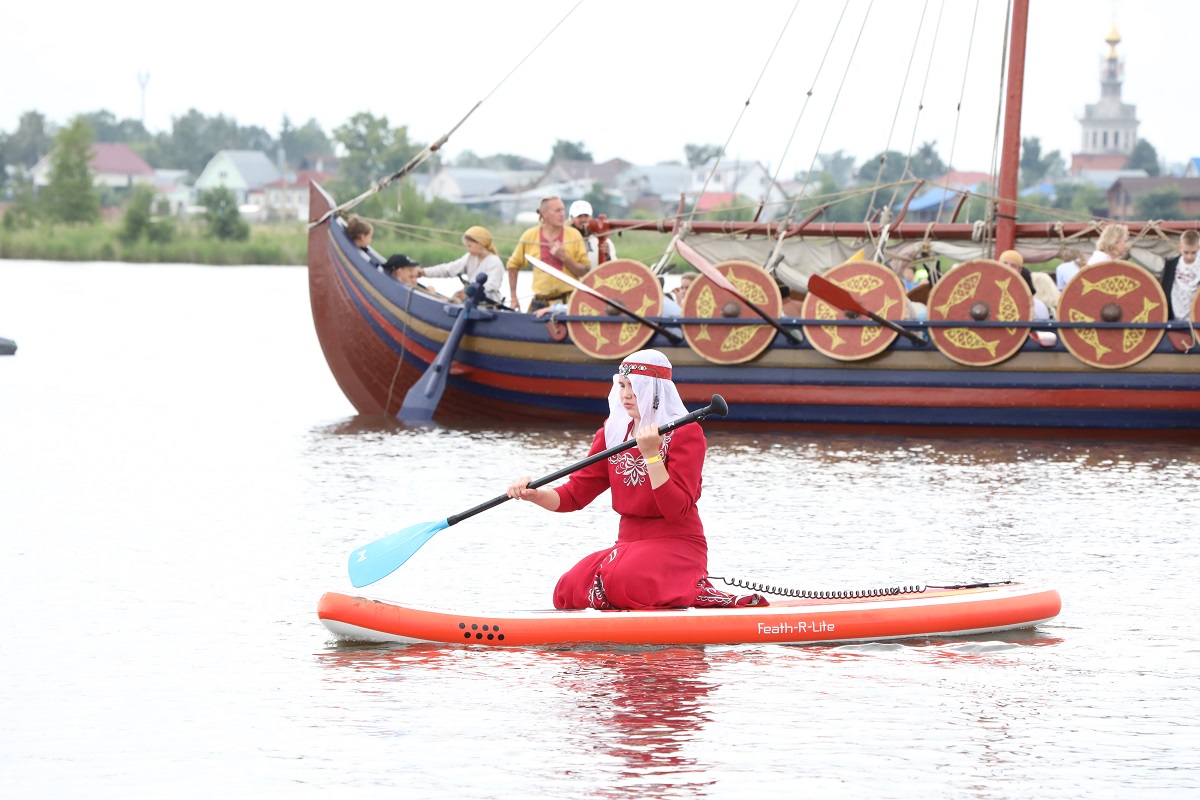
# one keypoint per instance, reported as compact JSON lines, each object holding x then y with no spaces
{"x":581,"y":216}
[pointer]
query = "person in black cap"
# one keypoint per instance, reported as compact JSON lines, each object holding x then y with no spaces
{"x":406,"y":271}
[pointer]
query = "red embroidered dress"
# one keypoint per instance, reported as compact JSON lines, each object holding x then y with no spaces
{"x":660,"y":559}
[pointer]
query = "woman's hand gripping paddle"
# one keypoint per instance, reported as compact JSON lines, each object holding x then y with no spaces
{"x":382,"y":557}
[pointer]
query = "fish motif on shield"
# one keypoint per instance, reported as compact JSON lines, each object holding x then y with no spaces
{"x":706,"y":304}
{"x":737,"y":337}
{"x":631,"y":329}
{"x":968,"y":339}
{"x":965,"y":290}
{"x":749,"y":289}
{"x":593,"y":327}
{"x":860,"y":284}
{"x":1132,"y":337}
{"x":872,"y":333}
{"x":1008,"y":310}
{"x":826,"y":311}
{"x":621,"y":282}
{"x":1116,"y":285}
{"x":1089,"y":335}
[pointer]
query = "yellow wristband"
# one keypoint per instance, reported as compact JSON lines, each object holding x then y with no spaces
{"x":654,"y":459}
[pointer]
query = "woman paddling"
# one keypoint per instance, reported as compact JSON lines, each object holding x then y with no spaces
{"x":660,"y":559}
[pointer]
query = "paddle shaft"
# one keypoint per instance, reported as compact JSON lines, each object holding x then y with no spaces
{"x":717,"y":407}
{"x":674,"y":338}
{"x":713,"y":274}
{"x":832,"y":293}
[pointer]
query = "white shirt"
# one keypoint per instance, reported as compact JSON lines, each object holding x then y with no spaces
{"x":1187,"y":281}
{"x":471,"y":266}
{"x":1067,"y":270}
{"x":592,"y":243}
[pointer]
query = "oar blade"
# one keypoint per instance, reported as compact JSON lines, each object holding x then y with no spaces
{"x":382,"y":557}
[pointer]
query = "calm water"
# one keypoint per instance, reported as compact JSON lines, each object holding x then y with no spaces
{"x":181,"y":479}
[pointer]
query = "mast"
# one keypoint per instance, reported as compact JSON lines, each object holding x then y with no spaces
{"x":1010,"y":149}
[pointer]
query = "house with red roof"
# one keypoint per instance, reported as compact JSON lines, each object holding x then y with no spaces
{"x":113,"y":165}
{"x":711,"y":201}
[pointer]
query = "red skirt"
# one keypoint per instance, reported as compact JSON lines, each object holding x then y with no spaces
{"x":668,"y":572}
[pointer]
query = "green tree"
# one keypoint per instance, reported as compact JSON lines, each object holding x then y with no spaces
{"x":1035,"y":167}
{"x":1144,"y":156}
{"x":601,"y":202}
{"x":569,"y":151}
{"x":136,"y":221}
{"x":109,"y":129}
{"x":195,"y":138}
{"x":838,"y":166}
{"x":1081,"y":198}
{"x":926,"y":163}
{"x":373,"y":150}
{"x":698,"y":155}
{"x":31,"y":140}
{"x":307,"y":140}
{"x":1161,"y":203}
{"x":70,"y":195}
{"x":22,"y":212}
{"x":221,"y":214}
{"x":892,"y":163}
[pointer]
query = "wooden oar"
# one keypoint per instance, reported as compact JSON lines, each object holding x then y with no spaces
{"x":713,"y":274}
{"x":561,"y":275}
{"x":382,"y":557}
{"x":423,"y":397}
{"x":837,"y":296}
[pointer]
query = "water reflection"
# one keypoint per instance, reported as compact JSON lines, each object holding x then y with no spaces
{"x":641,"y":707}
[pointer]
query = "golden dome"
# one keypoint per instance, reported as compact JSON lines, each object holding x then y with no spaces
{"x":1113,"y":39}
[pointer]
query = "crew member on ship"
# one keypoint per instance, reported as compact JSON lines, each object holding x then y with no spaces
{"x":660,"y":558}
{"x":555,"y":243}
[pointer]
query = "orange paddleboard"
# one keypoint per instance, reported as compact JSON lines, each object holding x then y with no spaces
{"x":936,"y":611}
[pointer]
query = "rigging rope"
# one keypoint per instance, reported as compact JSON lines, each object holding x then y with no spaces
{"x":717,"y":161}
{"x":990,"y":214}
{"x":912,"y":142}
{"x":816,"y":153}
{"x":803,"y":108}
{"x":895,"y":117}
{"x":962,"y":92}
{"x":424,"y":155}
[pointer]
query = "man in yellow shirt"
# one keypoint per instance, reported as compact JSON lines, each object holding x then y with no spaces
{"x":554,"y":243}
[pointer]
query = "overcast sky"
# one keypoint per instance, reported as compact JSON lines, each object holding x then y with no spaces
{"x":635,"y":80}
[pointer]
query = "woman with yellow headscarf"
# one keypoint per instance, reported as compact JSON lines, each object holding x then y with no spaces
{"x":480,"y":257}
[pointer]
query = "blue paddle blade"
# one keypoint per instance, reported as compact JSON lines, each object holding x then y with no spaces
{"x":383,"y":556}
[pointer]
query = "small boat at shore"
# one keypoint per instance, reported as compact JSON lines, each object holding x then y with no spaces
{"x":869,"y":616}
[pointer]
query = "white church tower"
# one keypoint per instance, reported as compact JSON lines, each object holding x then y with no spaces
{"x":1109,"y":126}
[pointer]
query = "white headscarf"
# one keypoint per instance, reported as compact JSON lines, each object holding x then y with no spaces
{"x":649,"y":374}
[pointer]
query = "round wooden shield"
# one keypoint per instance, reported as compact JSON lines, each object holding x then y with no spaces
{"x":732,"y":344}
{"x":632,"y":285}
{"x":977,"y":291}
{"x":1115,"y":291}
{"x":874,"y":286}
